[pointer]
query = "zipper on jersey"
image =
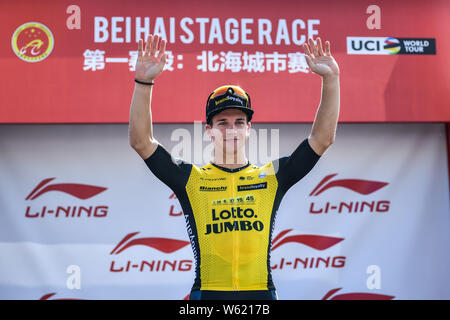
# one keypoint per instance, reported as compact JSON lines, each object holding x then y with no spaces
{"x":234,"y":266}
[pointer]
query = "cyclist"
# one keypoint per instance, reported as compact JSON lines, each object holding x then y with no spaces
{"x":230,"y":204}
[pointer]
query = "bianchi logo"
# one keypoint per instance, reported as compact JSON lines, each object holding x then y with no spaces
{"x":390,"y":45}
{"x":222,"y":188}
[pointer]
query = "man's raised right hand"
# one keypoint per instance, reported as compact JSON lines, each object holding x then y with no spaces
{"x":149,"y":64}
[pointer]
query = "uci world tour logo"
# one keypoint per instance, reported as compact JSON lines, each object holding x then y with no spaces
{"x":390,"y":45}
{"x":32,"y":42}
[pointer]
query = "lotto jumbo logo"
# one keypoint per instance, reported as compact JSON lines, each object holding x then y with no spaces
{"x":32,"y":42}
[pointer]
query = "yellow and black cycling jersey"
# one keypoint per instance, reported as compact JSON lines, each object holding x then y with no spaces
{"x":230,"y":214}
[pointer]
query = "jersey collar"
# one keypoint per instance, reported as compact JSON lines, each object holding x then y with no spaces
{"x":230,"y":170}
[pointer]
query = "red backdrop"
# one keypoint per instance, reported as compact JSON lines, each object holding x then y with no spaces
{"x":65,"y":87}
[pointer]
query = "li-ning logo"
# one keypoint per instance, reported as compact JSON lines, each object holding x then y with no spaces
{"x":164,"y":245}
{"x":312,"y":241}
{"x":364,"y":187}
{"x":316,"y":242}
{"x":76,"y":190}
{"x":50,"y":295}
{"x":80,"y":191}
{"x":359,"y":186}
{"x":355,"y":296}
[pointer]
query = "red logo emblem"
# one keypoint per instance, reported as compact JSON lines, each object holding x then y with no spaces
{"x":316,"y":242}
{"x":80,"y":191}
{"x":49,"y":295}
{"x":160,"y":264}
{"x":364,"y":187}
{"x":162,"y":244}
{"x":355,"y":296}
{"x":313,"y":241}
{"x":66,"y":210}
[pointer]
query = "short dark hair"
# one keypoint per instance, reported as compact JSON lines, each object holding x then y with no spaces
{"x":210,"y":122}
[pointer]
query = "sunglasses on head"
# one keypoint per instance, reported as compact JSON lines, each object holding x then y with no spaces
{"x":235,"y":90}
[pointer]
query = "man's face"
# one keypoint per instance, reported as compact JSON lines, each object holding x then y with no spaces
{"x":229,"y":130}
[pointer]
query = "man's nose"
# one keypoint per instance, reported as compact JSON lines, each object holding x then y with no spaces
{"x":231,"y":129}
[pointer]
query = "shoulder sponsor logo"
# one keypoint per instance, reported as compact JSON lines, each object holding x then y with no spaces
{"x":256,"y":186}
{"x":390,"y":45}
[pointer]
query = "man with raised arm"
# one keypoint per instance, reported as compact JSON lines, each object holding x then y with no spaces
{"x":230,"y":204}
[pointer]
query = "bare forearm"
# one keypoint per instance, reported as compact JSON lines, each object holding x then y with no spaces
{"x":140,"y":126}
{"x":327,"y":115}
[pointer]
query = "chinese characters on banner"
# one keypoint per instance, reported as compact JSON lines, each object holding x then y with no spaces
{"x":210,"y":61}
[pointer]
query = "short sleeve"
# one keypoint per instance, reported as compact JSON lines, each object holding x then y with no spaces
{"x":291,"y":169}
{"x":171,"y":171}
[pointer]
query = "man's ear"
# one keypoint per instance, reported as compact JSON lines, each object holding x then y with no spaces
{"x":208,"y":129}
{"x":249,"y":125}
